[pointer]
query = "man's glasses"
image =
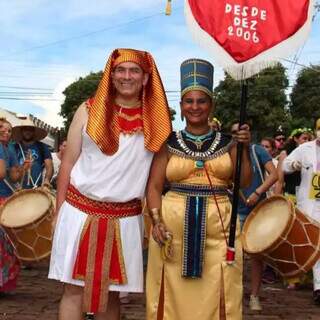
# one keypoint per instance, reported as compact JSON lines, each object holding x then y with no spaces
{"x":280,"y":139}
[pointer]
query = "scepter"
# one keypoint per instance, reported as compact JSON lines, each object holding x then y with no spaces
{"x":237,"y":178}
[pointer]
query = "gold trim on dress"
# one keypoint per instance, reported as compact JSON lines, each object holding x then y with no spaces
{"x":120,"y":255}
{"x":88,"y":286}
{"x":107,"y":252}
{"x":129,"y":118}
{"x":133,"y":131}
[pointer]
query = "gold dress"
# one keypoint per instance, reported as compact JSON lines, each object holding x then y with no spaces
{"x":195,"y":296}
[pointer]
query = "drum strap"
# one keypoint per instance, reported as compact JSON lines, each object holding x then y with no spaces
{"x":8,"y":184}
{"x":257,"y":162}
{"x":99,"y":259}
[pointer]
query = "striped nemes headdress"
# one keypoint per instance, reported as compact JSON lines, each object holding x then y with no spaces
{"x":196,"y":74}
{"x":103,"y":124}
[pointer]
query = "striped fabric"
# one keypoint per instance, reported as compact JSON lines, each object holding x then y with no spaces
{"x":103,"y":123}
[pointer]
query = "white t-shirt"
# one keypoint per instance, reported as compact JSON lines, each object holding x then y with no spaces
{"x":56,"y":164}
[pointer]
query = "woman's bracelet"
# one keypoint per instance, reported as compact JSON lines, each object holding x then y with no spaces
{"x":155,"y":215}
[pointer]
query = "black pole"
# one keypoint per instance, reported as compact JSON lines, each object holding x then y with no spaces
{"x":235,"y":200}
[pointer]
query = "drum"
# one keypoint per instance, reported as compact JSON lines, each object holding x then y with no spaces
{"x":287,"y":239}
{"x":27,"y":216}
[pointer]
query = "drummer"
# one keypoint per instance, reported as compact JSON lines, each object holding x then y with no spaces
{"x":306,"y":159}
{"x":261,"y":164}
{"x":12,"y":170}
{"x":29,"y":147}
{"x":9,"y":264}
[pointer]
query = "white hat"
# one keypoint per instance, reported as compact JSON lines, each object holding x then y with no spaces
{"x":39,"y":133}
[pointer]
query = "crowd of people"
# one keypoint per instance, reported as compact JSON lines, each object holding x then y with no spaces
{"x":119,"y":154}
{"x":25,"y":164}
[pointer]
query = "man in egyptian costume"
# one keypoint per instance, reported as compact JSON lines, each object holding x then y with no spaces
{"x":97,"y":246}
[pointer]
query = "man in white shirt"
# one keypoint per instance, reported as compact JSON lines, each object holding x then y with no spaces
{"x":306,"y":158}
{"x":56,"y":161}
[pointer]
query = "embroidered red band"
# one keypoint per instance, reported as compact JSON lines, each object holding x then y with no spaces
{"x":99,"y":259}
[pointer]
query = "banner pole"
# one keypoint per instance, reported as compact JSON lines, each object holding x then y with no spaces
{"x":236,"y":189}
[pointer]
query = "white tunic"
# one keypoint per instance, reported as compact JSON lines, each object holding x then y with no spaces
{"x":117,"y":178}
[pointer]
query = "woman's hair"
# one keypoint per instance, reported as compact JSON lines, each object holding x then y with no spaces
{"x":4,"y":120}
{"x":271,"y":141}
{"x":291,"y":144}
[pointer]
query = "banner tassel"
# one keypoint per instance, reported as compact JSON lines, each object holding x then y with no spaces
{"x":168,"y":8}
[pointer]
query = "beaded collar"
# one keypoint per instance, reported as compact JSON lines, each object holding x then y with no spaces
{"x":198,"y":141}
{"x":213,"y":148}
{"x":130,"y":119}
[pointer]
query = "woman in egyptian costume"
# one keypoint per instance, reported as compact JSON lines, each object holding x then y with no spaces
{"x":188,"y":277}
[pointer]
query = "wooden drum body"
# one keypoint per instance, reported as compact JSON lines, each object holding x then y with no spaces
{"x":288,"y":239}
{"x":27,"y":216}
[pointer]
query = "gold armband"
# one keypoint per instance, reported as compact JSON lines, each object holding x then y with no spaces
{"x":155,"y":215}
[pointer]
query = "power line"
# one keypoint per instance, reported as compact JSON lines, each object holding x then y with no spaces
{"x":26,"y":93}
{"x":29,"y":99}
{"x":263,"y":73}
{"x":28,"y":88}
{"x":301,"y":65}
{"x":85,"y":35}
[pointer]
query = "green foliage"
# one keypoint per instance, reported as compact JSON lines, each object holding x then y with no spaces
{"x":79,"y":91}
{"x":305,"y":98}
{"x":172,"y":114}
{"x":267,"y":101}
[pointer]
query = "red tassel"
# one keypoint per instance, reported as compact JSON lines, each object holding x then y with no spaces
{"x":231,"y":253}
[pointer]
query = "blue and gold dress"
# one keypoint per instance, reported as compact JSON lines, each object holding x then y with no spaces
{"x":188,"y":286}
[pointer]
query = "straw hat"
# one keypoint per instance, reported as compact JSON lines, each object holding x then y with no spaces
{"x":39,"y":133}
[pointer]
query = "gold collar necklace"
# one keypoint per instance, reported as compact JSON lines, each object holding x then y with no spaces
{"x":129,"y":105}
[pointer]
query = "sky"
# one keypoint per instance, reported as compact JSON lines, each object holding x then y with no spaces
{"x":47,"y":45}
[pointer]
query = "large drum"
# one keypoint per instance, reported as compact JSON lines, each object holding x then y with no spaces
{"x":27,"y":216}
{"x":288,"y":239}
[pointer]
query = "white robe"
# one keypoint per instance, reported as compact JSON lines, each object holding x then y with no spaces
{"x":117,"y":178}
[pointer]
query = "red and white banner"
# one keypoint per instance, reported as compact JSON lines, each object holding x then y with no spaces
{"x":246,"y":36}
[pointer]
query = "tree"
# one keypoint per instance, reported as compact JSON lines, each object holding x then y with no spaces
{"x":267,"y":101}
{"x":317,"y":7}
{"x":305,"y":97}
{"x":80,"y":91}
{"x":172,"y":114}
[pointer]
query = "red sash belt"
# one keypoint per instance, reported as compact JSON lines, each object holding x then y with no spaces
{"x":100,"y":260}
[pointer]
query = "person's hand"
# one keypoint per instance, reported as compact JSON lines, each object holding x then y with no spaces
{"x":46,"y":184}
{"x":27,"y":164}
{"x":296,"y":165}
{"x":159,"y":233}
{"x":252,"y":200}
{"x":243,"y":135}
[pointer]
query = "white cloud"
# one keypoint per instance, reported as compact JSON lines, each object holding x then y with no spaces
{"x":50,"y":109}
{"x":80,"y":8}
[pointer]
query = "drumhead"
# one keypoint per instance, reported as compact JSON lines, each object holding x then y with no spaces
{"x":25,"y":207}
{"x":266,"y":223}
